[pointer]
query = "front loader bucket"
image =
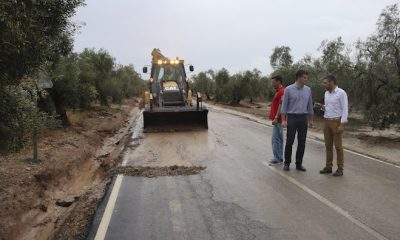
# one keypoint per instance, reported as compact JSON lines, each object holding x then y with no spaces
{"x":175,"y":118}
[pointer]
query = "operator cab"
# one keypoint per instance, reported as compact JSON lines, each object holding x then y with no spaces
{"x":168,"y":99}
{"x":169,"y":86}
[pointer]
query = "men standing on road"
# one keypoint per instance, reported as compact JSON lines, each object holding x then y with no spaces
{"x":275,"y":116}
{"x":336,"y":112}
{"x":297,"y":110}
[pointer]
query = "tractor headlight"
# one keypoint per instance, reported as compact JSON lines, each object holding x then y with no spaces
{"x":151,"y":80}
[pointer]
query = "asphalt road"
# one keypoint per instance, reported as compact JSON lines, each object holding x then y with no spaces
{"x":239,"y":196}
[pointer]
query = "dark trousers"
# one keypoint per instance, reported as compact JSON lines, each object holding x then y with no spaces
{"x":296,"y":123}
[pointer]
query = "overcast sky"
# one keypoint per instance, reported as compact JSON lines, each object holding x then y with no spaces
{"x":211,"y":34}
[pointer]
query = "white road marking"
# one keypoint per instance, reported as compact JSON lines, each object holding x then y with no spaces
{"x":328,"y":203}
{"x":178,"y":223}
{"x":105,"y":220}
{"x":260,"y":121}
{"x":358,"y":154}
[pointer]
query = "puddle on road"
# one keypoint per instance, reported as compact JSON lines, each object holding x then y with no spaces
{"x":141,"y":171}
{"x":173,"y":149}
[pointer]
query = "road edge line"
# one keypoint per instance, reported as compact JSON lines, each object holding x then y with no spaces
{"x":255,"y":119}
{"x":357,"y":153}
{"x":105,"y":220}
{"x":328,"y":203}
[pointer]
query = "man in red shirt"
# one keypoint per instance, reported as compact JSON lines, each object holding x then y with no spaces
{"x":275,"y":116}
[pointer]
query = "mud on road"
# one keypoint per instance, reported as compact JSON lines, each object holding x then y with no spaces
{"x":146,"y":171}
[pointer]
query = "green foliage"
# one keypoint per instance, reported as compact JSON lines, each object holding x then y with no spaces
{"x":204,"y":83}
{"x":253,"y":82}
{"x":32,"y":33}
{"x":281,"y":57}
{"x":266,"y":89}
{"x":79,"y":79}
{"x":19,"y":117}
{"x":336,"y":60}
{"x":72,"y":87}
{"x":226,"y":88}
{"x":223,"y":88}
{"x":129,"y":80}
{"x":371,"y":79}
{"x":245,"y":85}
{"x":103,"y":65}
{"x":378,"y":70}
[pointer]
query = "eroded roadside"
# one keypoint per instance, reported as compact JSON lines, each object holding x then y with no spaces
{"x":57,"y":197}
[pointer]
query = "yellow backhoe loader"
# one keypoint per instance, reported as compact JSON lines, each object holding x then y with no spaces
{"x":168,"y":98}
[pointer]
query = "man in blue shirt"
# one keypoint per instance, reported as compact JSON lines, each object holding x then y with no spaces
{"x":297,"y":109}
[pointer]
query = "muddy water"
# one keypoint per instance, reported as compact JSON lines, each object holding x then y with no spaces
{"x":160,"y":149}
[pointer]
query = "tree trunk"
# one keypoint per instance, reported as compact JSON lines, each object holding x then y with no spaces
{"x":60,"y":110}
{"x":397,"y":57}
{"x":62,"y":116}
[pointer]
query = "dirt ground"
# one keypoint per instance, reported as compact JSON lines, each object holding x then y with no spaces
{"x":358,"y":136}
{"x":57,"y":197}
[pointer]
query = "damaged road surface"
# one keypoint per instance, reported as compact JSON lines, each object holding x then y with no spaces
{"x":140,"y":171}
{"x":238,"y":196}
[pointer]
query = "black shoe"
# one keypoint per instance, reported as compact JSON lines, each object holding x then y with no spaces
{"x":338,"y":173}
{"x":274,"y":163}
{"x":325,"y":170}
{"x":300,"y":168}
{"x":286,"y":167}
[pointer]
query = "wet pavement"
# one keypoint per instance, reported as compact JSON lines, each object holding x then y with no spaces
{"x":238,"y":196}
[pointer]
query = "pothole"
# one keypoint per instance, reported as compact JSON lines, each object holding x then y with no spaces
{"x":141,"y":171}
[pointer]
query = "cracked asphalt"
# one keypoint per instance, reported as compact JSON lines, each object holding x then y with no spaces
{"x":238,"y":196}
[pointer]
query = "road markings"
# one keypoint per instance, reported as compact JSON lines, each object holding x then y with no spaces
{"x":358,"y":154}
{"x":178,"y":222}
{"x":105,"y":220}
{"x":328,"y":203}
{"x":259,"y":121}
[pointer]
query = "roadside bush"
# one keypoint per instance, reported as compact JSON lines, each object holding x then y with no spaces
{"x":80,"y":79}
{"x":226,"y":88}
{"x":19,"y":116}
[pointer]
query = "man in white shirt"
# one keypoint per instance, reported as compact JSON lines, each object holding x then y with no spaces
{"x":336,"y":112}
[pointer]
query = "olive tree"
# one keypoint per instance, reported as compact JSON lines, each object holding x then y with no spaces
{"x":378,"y":81}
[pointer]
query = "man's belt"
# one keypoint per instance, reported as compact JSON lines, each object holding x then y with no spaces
{"x":332,"y":119}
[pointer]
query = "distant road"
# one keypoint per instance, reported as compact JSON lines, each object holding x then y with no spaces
{"x":239,"y":196}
